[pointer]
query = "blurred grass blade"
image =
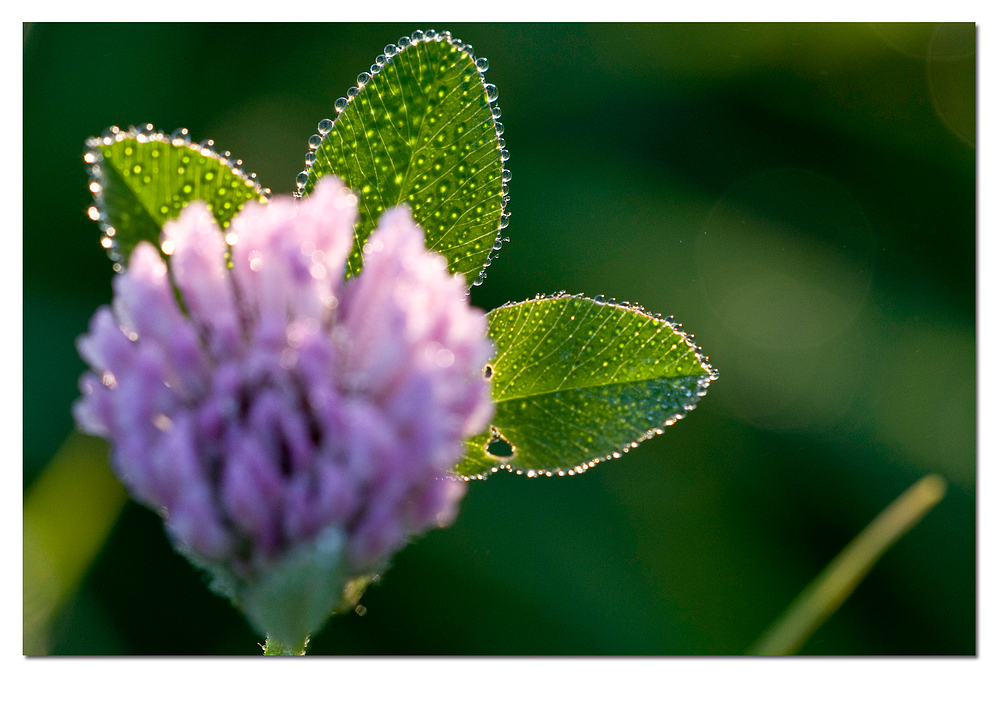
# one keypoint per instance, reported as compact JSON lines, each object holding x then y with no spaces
{"x":840,"y":578}
{"x":142,"y":178}
{"x":421,"y":130}
{"x":577,"y":381}
{"x":68,"y":513}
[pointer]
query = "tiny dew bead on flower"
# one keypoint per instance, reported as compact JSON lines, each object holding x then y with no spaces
{"x":295,"y":429}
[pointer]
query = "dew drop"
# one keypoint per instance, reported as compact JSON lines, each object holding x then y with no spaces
{"x":499,"y":128}
{"x":505,"y":175}
{"x":375,"y":68}
{"x":351,"y":92}
{"x":403,"y":42}
{"x":491,"y":92}
{"x":325,"y":126}
{"x":315,"y":141}
{"x":302,"y":179}
{"x":391,"y":50}
{"x":504,"y":221}
{"x":310,"y":158}
{"x":496,"y":112}
{"x":482,"y":64}
{"x":364,"y":77}
{"x":417,"y":36}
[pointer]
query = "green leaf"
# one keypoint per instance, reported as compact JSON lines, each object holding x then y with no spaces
{"x":422,"y":131}
{"x":142,"y":178}
{"x":577,"y":381}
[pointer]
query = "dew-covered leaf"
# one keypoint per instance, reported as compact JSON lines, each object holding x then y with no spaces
{"x":578,"y":380}
{"x":142,"y":178}
{"x":421,"y":128}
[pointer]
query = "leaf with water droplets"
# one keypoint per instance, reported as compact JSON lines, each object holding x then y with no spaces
{"x":140,"y":179}
{"x":577,"y":381}
{"x":421,"y":130}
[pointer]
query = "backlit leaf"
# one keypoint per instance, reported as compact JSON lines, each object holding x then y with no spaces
{"x":421,"y":130}
{"x":577,"y":381}
{"x":142,"y":178}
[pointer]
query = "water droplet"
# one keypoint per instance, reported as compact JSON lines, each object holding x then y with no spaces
{"x":315,"y":141}
{"x":310,"y":158}
{"x":417,"y":36}
{"x":505,"y":175}
{"x":499,"y":127}
{"x":180,"y":135}
{"x":482,"y":64}
{"x":364,"y":77}
{"x":403,"y":42}
{"x":375,"y":68}
{"x":504,"y":221}
{"x":496,"y":112}
{"x":504,"y":155}
{"x":491,"y":92}
{"x":351,"y":92}
{"x":391,"y":50}
{"x":302,"y":179}
{"x":325,"y":126}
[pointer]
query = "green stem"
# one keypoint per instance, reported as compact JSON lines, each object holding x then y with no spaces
{"x":837,"y":581}
{"x":275,"y":647}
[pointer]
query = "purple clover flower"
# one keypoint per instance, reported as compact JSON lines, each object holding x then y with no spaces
{"x":293,"y":428}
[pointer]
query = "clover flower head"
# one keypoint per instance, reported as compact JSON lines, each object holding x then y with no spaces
{"x":294,"y":428}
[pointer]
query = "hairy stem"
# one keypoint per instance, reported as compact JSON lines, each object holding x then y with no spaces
{"x":274,"y":647}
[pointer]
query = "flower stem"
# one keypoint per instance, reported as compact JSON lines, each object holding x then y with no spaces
{"x":838,"y":580}
{"x":275,"y":647}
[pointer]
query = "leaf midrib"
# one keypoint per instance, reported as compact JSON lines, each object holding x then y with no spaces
{"x":553,"y":391}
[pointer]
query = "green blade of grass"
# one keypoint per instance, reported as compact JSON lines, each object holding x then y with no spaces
{"x":840,"y":578}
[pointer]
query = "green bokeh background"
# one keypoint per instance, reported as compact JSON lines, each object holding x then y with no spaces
{"x":801,"y":197}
